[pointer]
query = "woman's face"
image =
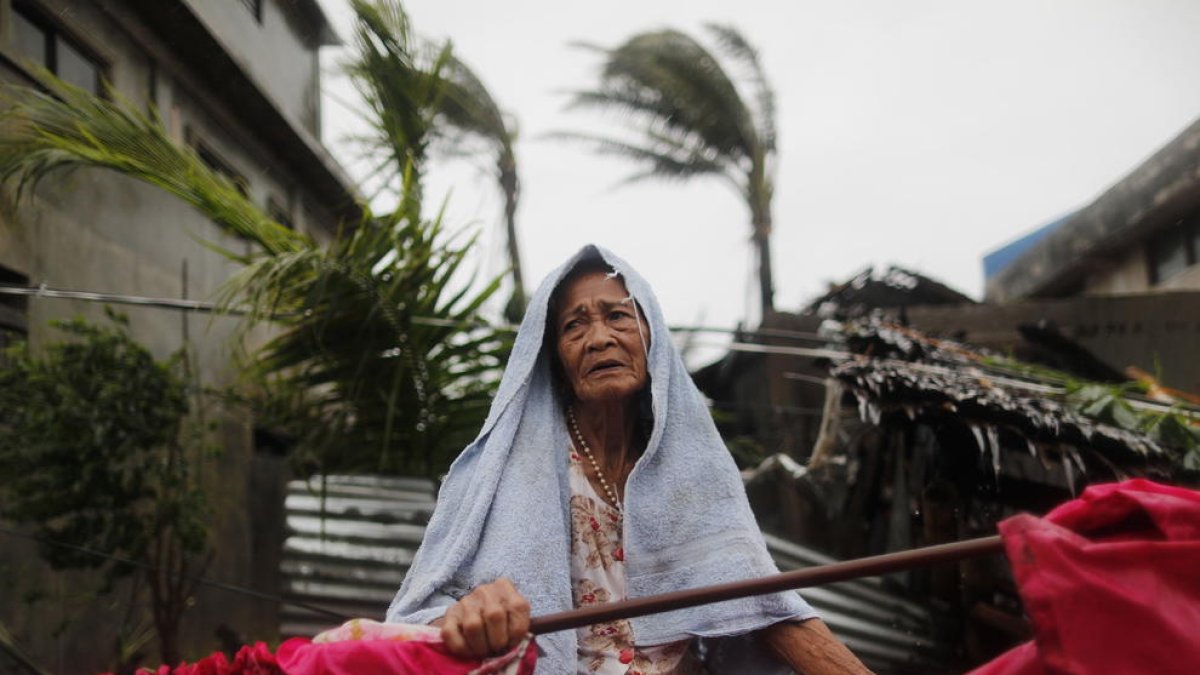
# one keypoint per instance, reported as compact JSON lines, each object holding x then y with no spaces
{"x":599,"y":347}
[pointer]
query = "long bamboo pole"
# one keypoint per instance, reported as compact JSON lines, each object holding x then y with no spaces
{"x":802,"y":578}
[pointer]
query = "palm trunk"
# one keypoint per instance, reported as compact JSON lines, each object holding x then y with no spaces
{"x":760,"y":217}
{"x":766,"y":287}
{"x":511,"y":187}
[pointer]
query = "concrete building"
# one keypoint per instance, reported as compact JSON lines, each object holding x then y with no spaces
{"x":1120,"y":277}
{"x":1141,"y":235}
{"x":239,"y":81}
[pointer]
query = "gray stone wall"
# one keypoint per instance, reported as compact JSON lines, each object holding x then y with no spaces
{"x":1157,"y":332}
{"x":279,"y":52}
{"x":99,"y":231}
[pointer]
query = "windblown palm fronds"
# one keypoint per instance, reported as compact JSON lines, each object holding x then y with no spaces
{"x":691,"y":118}
{"x":65,"y":127}
{"x":380,"y":364}
{"x":419,"y":95}
{"x":401,"y":81}
{"x":468,"y":107}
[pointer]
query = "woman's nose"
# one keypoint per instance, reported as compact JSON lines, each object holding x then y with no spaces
{"x":599,"y":335}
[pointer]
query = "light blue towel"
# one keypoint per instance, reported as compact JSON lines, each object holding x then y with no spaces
{"x":503,"y":508}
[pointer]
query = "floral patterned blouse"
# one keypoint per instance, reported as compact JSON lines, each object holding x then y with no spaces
{"x":598,"y":576}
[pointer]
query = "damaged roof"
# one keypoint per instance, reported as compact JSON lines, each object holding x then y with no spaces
{"x":1008,"y":406}
{"x":890,"y":288}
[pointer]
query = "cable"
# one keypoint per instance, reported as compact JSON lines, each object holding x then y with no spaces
{"x":44,"y":291}
{"x":198,"y":579}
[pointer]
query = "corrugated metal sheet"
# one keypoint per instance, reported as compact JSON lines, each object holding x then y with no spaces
{"x":352,"y":557}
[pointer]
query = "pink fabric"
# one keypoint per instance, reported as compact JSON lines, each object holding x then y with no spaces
{"x":359,"y":647}
{"x":300,"y":657}
{"x":1111,"y":582}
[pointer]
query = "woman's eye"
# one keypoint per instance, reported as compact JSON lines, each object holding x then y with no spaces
{"x":619,"y":314}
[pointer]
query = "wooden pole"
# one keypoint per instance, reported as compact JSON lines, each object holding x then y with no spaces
{"x":802,"y":578}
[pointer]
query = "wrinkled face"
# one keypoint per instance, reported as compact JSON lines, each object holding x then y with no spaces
{"x":599,"y":347}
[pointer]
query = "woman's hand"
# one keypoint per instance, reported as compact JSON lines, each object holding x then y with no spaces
{"x":488,"y":621}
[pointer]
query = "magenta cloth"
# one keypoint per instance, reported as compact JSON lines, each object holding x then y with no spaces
{"x":300,"y":656}
{"x":1111,"y":583}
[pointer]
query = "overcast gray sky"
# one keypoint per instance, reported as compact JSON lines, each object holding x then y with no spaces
{"x":919,"y":132}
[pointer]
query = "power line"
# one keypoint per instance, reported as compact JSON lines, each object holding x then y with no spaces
{"x":197,"y":579}
{"x":43,"y":291}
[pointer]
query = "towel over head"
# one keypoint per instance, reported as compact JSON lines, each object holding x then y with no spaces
{"x":503,"y":509}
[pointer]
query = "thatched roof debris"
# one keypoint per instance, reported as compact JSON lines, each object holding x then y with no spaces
{"x":1006,"y":405}
{"x":890,"y":288}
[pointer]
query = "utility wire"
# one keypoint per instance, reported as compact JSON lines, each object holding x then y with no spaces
{"x":198,"y":579}
{"x":44,"y":291}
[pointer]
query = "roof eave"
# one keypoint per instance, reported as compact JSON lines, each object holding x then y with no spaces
{"x":1153,"y":195}
{"x":231,"y":84}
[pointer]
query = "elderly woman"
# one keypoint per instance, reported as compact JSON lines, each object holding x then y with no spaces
{"x":599,"y":476}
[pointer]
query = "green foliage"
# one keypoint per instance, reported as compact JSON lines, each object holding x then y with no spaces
{"x":63,"y":127}
{"x":1109,"y":404}
{"x":693,"y":111}
{"x":402,"y":83}
{"x":469,"y":109}
{"x":418,"y":95}
{"x":92,"y":436}
{"x":86,"y":431}
{"x":364,"y":385}
{"x":381,"y":365}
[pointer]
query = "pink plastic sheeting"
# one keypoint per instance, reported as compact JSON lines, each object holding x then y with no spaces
{"x":1111,"y":582}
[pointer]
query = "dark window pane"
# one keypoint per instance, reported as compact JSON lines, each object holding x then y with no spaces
{"x":75,"y":68}
{"x":13,"y":312}
{"x":1168,"y":255}
{"x":1195,"y":240}
{"x":279,"y":213}
{"x":214,"y":162}
{"x":29,"y":39}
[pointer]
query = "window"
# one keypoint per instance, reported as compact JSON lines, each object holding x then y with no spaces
{"x":280,"y":213}
{"x":14,"y":311}
{"x":1174,"y":250}
{"x":38,"y":40}
{"x":218,"y":164}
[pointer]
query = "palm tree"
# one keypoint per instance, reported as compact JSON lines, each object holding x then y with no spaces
{"x":368,"y":380}
{"x":691,"y":118}
{"x":469,"y":108}
{"x":402,"y":83}
{"x":419,"y":94}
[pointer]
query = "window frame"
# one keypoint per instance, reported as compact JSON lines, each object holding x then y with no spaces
{"x":214,"y":160}
{"x":1184,"y":234}
{"x":55,"y":34}
{"x":14,"y":311}
{"x":278,"y":210}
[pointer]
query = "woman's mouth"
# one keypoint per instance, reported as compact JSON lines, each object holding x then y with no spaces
{"x":605,"y":366}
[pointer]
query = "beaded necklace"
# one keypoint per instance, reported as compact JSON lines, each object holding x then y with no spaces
{"x":608,"y":489}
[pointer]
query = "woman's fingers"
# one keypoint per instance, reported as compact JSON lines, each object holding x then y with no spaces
{"x":518,"y":613}
{"x":489,"y":620}
{"x":474,"y":631}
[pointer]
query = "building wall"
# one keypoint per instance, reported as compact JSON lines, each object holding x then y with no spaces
{"x":1157,"y":332}
{"x":1128,"y":275}
{"x":277,"y":51}
{"x":1159,"y":197}
{"x":98,"y":231}
{"x":1186,"y":280}
{"x":1131,"y":272}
